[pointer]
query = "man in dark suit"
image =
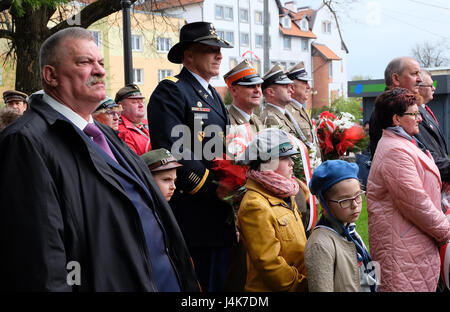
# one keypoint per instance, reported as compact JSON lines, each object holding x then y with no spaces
{"x":80,"y":211}
{"x":430,"y":133}
{"x":187,"y":117}
{"x":403,"y":72}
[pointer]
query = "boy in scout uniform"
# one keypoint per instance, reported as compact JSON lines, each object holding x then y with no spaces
{"x":300,"y":91}
{"x":187,"y":117}
{"x":15,"y":100}
{"x":244,"y":85}
{"x":277,"y":94}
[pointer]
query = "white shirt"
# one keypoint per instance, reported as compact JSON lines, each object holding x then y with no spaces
{"x":203,"y":82}
{"x":244,"y":114}
{"x":76,"y":119}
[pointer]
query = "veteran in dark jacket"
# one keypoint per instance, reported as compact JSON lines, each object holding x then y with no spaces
{"x":80,"y":211}
{"x":187,"y":117}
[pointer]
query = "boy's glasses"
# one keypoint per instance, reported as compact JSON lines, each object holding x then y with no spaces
{"x":347,"y":202}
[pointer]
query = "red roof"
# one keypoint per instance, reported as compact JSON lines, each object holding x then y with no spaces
{"x":326,"y":52}
{"x":296,"y":32}
{"x":299,"y":15}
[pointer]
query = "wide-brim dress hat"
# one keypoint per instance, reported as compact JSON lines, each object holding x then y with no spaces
{"x":160,"y":159}
{"x":243,"y":74}
{"x":298,"y":72}
{"x":270,"y":143}
{"x":10,"y":95}
{"x":275,"y":76}
{"x":106,"y":103}
{"x":198,"y":32}
{"x":129,"y":91}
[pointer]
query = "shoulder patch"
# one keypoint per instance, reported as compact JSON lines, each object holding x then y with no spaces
{"x":171,"y":78}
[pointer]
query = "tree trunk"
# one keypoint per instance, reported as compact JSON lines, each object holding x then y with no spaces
{"x":30,"y":32}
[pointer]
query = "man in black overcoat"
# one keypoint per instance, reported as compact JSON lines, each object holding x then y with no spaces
{"x":80,"y":211}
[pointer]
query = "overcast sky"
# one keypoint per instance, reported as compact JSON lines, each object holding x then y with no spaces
{"x":376,"y":31}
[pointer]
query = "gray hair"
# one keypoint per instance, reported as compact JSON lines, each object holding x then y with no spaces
{"x":50,"y":50}
{"x":424,"y":73}
{"x":397,"y":65}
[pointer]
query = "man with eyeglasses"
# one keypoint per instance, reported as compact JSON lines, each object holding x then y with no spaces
{"x":133,"y":127}
{"x":430,"y":132}
{"x":108,"y":112}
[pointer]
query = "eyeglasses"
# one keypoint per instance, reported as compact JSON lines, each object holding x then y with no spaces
{"x":347,"y":202}
{"x":415,"y":114}
{"x":426,"y":86}
{"x":111,"y":113}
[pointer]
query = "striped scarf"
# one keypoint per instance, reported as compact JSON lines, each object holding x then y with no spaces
{"x":277,"y":184}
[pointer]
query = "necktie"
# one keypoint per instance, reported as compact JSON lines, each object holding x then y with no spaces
{"x":211,"y":91}
{"x":99,"y":138}
{"x":431,"y":113}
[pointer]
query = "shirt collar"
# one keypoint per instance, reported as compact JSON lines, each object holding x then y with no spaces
{"x":297,"y":103}
{"x":202,"y":81}
{"x":282,"y":110}
{"x":76,"y":119}
{"x":244,"y":114}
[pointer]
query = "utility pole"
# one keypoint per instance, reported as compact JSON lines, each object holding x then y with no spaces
{"x":127,"y":55}
{"x":266,"y":20}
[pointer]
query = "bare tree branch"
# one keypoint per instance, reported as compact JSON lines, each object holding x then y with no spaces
{"x":430,"y":54}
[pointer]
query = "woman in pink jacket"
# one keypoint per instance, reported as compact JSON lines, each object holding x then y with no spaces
{"x":406,"y":223}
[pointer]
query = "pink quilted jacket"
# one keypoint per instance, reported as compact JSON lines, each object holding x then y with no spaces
{"x":406,"y":223}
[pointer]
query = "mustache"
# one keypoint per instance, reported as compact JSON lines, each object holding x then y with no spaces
{"x":95,"y":79}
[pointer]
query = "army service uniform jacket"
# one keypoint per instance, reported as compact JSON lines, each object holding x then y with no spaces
{"x":236,"y":118}
{"x":186,"y":120}
{"x":274,"y":118}
{"x":305,"y":124}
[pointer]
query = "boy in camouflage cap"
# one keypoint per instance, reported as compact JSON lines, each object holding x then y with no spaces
{"x":163,"y":167}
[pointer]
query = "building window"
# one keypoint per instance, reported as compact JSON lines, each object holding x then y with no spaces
{"x":286,"y":22}
{"x":163,"y":73}
{"x":224,"y":12}
{"x":233,"y":62}
{"x":287,"y":43}
{"x":257,"y":65}
{"x":304,"y":25}
{"x":258,"y":17}
{"x":226,"y":35}
{"x":305,"y":47}
{"x":228,"y":13}
{"x":138,"y":75}
{"x":163,"y":44}
{"x":136,"y":43}
{"x":326,"y":27}
{"x":259,"y":41}
{"x":219,"y":12}
{"x":243,"y":15}
{"x":97,"y":37}
{"x":330,"y":69}
{"x":244,"y":39}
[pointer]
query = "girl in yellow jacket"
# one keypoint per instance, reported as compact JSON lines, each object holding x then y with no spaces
{"x":268,"y":220}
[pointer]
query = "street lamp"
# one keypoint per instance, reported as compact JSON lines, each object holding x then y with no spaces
{"x":128,"y":59}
